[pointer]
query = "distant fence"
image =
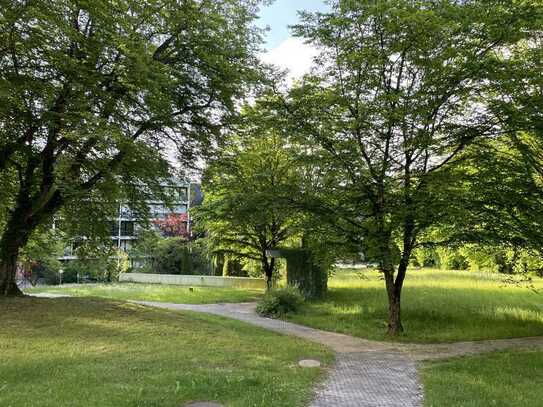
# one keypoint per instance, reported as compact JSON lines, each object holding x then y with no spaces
{"x":197,"y":281}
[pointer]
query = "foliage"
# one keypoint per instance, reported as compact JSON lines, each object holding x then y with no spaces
{"x":498,"y":212}
{"x":503,"y":258}
{"x":201,"y":258}
{"x":39,"y":258}
{"x":95,"y":262}
{"x":170,"y":255}
{"x":502,"y":201}
{"x":92,"y":95}
{"x":304,"y":273}
{"x":173,"y":225}
{"x":244,"y":213}
{"x":426,"y":257}
{"x":396,"y":95}
{"x":233,"y":267}
{"x":279,"y":302}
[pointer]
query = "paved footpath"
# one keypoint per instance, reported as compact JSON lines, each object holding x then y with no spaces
{"x":366,"y":373}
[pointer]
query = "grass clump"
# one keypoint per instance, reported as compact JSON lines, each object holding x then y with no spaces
{"x":280,"y":302}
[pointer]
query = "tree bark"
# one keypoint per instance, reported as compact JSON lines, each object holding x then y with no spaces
{"x":8,"y":283}
{"x":395,"y":326}
{"x":394,"y":291}
{"x":13,"y":239}
{"x":394,"y":283}
{"x":268,"y":267}
{"x":22,"y":222}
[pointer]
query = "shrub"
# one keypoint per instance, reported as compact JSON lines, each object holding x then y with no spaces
{"x":45,"y":273}
{"x":170,"y":255}
{"x":102,"y":264}
{"x":280,"y":301}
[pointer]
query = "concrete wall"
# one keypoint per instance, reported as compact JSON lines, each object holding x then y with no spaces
{"x":196,"y":281}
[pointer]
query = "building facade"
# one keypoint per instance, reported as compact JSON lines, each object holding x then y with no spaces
{"x":169,"y":220}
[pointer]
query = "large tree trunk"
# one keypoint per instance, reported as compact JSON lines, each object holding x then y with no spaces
{"x":22,"y":222}
{"x":8,"y":269}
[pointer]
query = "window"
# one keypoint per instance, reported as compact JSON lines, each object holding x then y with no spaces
{"x":183,"y":195}
{"x":127,"y":228}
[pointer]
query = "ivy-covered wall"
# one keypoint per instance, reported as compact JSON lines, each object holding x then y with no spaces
{"x":304,"y":273}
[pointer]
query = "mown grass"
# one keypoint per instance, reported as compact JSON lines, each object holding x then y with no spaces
{"x":91,"y":352}
{"x":154,"y":292}
{"x":503,"y":379}
{"x":437,"y":306}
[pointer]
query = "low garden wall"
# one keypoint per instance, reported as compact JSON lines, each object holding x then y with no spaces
{"x":197,"y":281}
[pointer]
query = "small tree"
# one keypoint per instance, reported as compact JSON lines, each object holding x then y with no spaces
{"x":244,"y":211}
{"x":173,"y":225}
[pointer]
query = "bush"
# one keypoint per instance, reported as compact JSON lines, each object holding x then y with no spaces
{"x":170,"y":255}
{"x":96,"y":264}
{"x":280,"y":301}
{"x":45,"y":273}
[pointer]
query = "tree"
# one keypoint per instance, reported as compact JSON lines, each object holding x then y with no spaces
{"x":502,"y":199}
{"x":501,"y":203}
{"x":94,"y":94}
{"x":515,"y":163}
{"x":173,"y":225}
{"x":396,"y":95}
{"x":243,"y":210}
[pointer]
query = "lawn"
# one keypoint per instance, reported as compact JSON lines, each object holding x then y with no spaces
{"x":154,"y":292}
{"x":93,"y":352}
{"x":438,"y":306}
{"x":504,"y":379}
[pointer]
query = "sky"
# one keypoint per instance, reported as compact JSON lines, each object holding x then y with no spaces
{"x":282,"y":48}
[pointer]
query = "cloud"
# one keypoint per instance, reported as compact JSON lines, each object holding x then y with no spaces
{"x":292,"y":55}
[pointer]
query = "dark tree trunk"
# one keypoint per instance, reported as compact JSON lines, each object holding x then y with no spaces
{"x":394,"y":282}
{"x":268,"y":266}
{"x":394,"y":301}
{"x":8,"y":284}
{"x":395,"y":326}
{"x":14,"y":238}
{"x":22,"y":222}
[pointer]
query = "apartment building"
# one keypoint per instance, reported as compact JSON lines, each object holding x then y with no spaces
{"x":124,"y":227}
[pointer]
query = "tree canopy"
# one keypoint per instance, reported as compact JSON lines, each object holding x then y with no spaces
{"x":94,"y":94}
{"x":398,"y":92}
{"x":245,"y":212}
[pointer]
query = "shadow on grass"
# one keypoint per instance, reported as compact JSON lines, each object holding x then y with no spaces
{"x":84,"y":351}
